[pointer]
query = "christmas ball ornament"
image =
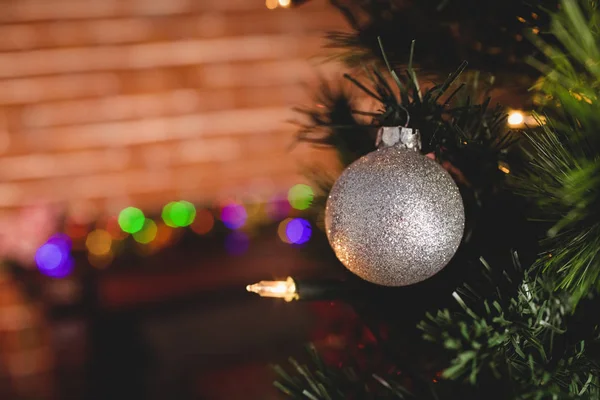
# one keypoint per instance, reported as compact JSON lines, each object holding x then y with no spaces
{"x":395,"y":217}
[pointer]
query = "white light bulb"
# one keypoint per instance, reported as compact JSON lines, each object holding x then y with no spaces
{"x":279,"y":289}
{"x":516,"y":118}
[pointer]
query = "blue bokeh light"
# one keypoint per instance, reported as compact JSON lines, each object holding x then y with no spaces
{"x":298,"y":231}
{"x":53,"y":258}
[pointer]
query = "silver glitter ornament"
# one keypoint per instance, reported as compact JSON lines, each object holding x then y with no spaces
{"x":395,"y":217}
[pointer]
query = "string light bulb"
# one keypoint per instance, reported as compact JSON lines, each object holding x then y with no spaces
{"x":273,"y":4}
{"x":516,"y":118}
{"x":278,"y":289}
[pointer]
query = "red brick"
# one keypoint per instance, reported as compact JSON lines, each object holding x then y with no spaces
{"x":144,"y":101}
{"x":152,"y":55}
{"x":34,"y":90}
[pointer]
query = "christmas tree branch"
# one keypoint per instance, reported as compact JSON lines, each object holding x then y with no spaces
{"x":470,"y":136}
{"x":521,"y":340}
{"x":563,"y":174}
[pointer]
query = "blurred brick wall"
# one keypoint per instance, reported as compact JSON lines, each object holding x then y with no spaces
{"x":108,"y":103}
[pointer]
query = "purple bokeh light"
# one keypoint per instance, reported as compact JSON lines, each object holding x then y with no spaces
{"x":298,"y":231}
{"x":278,"y":207}
{"x":53,"y":259}
{"x":234,"y":216}
{"x":61,"y":240}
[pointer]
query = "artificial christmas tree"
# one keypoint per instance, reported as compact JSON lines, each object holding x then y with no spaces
{"x":514,"y":313}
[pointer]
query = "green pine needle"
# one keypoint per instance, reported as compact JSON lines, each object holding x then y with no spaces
{"x":514,"y":342}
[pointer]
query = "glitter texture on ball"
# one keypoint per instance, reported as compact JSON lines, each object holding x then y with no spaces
{"x":395,"y":217}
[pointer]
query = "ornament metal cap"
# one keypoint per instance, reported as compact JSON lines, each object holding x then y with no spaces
{"x":401,"y":136}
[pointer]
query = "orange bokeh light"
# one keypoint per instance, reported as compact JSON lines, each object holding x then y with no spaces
{"x":204,"y":222}
{"x":281,"y":230}
{"x":112,"y":226}
{"x":163,"y":237}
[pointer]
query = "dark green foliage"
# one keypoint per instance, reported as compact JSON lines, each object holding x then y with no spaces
{"x":510,"y":336}
{"x":571,"y":72}
{"x":333,"y":123}
{"x":520,"y":340}
{"x":472,"y":137}
{"x":564,"y":156}
{"x":526,"y":333}
{"x":487,"y":33}
{"x":318,"y":381}
{"x":566,"y":189}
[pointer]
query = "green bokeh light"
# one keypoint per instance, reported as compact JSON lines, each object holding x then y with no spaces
{"x":131,"y":220}
{"x":147,"y":233}
{"x":178,"y":214}
{"x":166,"y":215}
{"x":183,"y":213}
{"x":300,"y":196}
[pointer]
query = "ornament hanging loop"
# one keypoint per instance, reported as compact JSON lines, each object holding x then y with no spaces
{"x":400,"y":136}
{"x":407,"y":115}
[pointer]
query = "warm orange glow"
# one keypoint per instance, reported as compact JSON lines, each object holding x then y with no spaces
{"x":285,"y":3}
{"x":281,"y":230}
{"x":100,"y":261}
{"x":515,"y":118}
{"x":271,"y":4}
{"x":112,"y":226}
{"x":76,"y":231}
{"x":163,"y":237}
{"x":99,"y":242}
{"x":204,"y":222}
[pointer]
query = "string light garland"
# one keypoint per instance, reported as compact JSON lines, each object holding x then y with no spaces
{"x":292,"y":289}
{"x":136,"y":232}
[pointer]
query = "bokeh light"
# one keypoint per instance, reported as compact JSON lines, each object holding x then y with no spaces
{"x":113,"y":228}
{"x":147,"y":233}
{"x":183,"y":213}
{"x":271,"y":4}
{"x":253,"y":209}
{"x":285,"y":3}
{"x":99,"y":242}
{"x":298,"y":231}
{"x":234,"y":216}
{"x":164,"y":234}
{"x":166,"y":214}
{"x":237,"y":243}
{"x":203,"y":223}
{"x":77,"y":233}
{"x":178,"y":214}
{"x":61,"y":240}
{"x":281,"y":230}
{"x":131,"y":220}
{"x":300,"y":196}
{"x":278,"y":207}
{"x":52,"y":260}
